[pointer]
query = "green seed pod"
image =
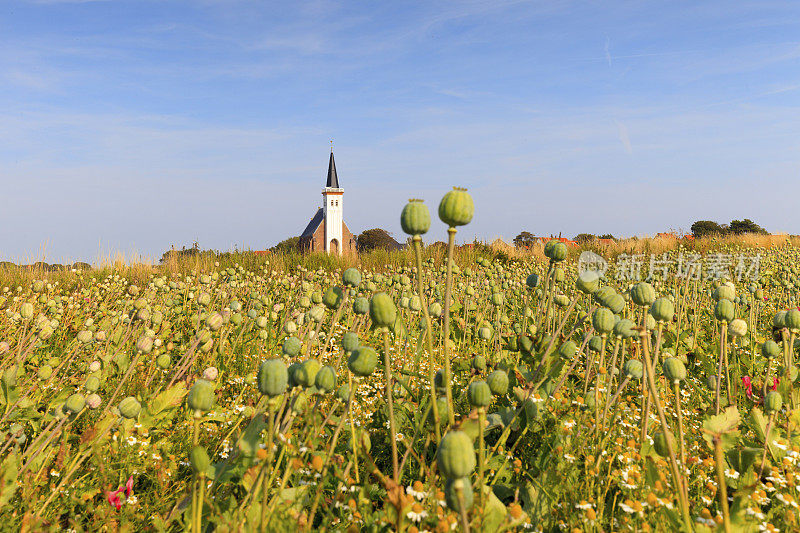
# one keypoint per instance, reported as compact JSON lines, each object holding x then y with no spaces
{"x":603,"y":321}
{"x":643,"y":294}
{"x":199,"y":459}
{"x":660,"y":440}
{"x":568,"y":350}
{"x":525,"y":344}
{"x":291,"y":346}
{"x":415,"y":219}
{"x":616,"y":303}
{"x":793,"y":319}
{"x":498,"y":382}
{"x":382,"y":310}
{"x":361,"y":306}
{"x":724,"y":311}
{"x":555,"y":251}
{"x":479,"y":394}
{"x":164,"y":361}
{"x":451,"y":490}
{"x":92,"y":384}
{"x":773,"y":402}
{"x":662,"y":310}
{"x":307,"y":373}
{"x":532,"y":280}
{"x":350,"y":342}
{"x":456,"y":455}
{"x":273,"y":377}
{"x":674,"y":369}
{"x":333,"y":297}
{"x":75,"y":403}
{"x":325,"y":379}
{"x":214,"y":321}
{"x":300,"y":403}
{"x":351,"y":277}
{"x":415,"y":304}
{"x":588,"y":282}
{"x":624,"y":329}
{"x":485,"y":333}
{"x":129,"y":407}
{"x":85,"y":336}
{"x":443,"y":409}
{"x":201,"y":396}
{"x":633,"y":369}
{"x":479,"y":363}
{"x":44,"y":372}
{"x":343,"y":393}
{"x":26,"y":310}
{"x":779,"y":320}
{"x":737,"y":327}
{"x":561,"y":300}
{"x":435,"y":310}
{"x":596,"y":343}
{"x":362,"y":362}
{"x":602,"y":295}
{"x":144,"y":344}
{"x":724,"y":291}
{"x":456,"y":208}
{"x":770,"y":349}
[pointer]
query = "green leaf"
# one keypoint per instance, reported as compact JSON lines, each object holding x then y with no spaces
{"x":494,"y":512}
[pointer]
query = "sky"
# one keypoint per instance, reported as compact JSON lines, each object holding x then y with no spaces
{"x":133,"y":125}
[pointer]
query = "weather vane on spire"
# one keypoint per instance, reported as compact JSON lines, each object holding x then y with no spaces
{"x":331,"y":145}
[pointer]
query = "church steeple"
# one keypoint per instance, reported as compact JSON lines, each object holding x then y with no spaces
{"x":333,"y":179}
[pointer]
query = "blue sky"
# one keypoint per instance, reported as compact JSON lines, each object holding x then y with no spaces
{"x":132,"y":125}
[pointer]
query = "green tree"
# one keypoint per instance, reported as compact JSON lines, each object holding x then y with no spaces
{"x":524,"y":240}
{"x":740,"y":227}
{"x":705,"y":228}
{"x":376,"y":238}
{"x":292,"y":244}
{"x":583,"y":238}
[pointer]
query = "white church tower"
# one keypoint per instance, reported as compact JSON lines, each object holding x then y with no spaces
{"x":333,"y":206}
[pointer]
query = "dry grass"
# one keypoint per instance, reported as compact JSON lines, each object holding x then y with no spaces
{"x":139,"y":269}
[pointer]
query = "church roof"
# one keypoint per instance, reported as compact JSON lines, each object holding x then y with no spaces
{"x":333,"y":179}
{"x":316,"y":220}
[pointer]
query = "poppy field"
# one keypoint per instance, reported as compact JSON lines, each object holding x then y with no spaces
{"x":467,"y":391}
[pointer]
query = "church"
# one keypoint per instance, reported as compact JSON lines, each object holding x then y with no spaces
{"x":327,"y":231}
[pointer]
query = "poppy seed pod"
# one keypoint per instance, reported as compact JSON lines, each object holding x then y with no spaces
{"x":793,"y":319}
{"x":773,"y":402}
{"x":199,"y":459}
{"x":415,"y":219}
{"x":479,"y":394}
{"x":643,"y":294}
{"x":306,"y":374}
{"x":662,"y":310}
{"x":779,"y":320}
{"x":333,"y":297}
{"x":498,"y":382}
{"x":201,"y":396}
{"x":273,"y":377}
{"x":724,"y":311}
{"x":75,"y":403}
{"x":382,"y":310}
{"x":588,"y":282}
{"x":770,"y":349}
{"x":555,"y":251}
{"x":603,"y":320}
{"x":362,"y":361}
{"x":660,"y":442}
{"x":532,"y":280}
{"x":451,"y":489}
{"x":674,"y":369}
{"x":633,"y":368}
{"x":737,"y":327}
{"x":456,"y":455}
{"x":361,"y":306}
{"x":456,"y":208}
{"x":568,"y":350}
{"x":350,"y":342}
{"x":291,"y":346}
{"x":325,"y":379}
{"x":129,"y":407}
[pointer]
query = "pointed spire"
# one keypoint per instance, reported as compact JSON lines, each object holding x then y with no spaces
{"x":333,"y":179}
